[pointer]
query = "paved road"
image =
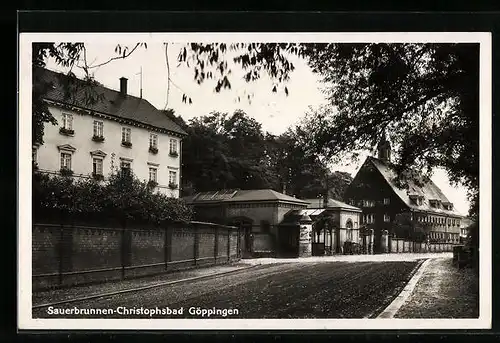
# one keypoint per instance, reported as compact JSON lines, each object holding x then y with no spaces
{"x":292,"y":290}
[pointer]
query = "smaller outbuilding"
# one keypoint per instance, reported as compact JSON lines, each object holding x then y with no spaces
{"x":326,"y":226}
{"x":256,"y":212}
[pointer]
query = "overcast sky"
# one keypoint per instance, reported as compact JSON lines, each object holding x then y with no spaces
{"x":275,"y":111}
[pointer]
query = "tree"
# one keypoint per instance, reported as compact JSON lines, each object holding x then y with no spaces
{"x":405,"y":225}
{"x":225,"y":151}
{"x":424,"y":96}
{"x":300,"y":172}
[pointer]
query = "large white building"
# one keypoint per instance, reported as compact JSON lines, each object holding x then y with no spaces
{"x":117,"y":131}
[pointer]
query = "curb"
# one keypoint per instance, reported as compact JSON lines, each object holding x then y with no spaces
{"x":136,"y":289}
{"x":401,"y":298}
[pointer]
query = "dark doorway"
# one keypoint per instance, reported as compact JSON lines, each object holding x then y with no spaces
{"x":288,"y":245}
{"x":245,"y":226}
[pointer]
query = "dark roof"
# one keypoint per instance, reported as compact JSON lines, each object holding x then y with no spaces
{"x":113,"y":103}
{"x":332,"y":203}
{"x":238,"y":195}
{"x":429,"y":190}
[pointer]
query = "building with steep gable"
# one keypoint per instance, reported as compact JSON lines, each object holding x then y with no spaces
{"x":420,"y":213}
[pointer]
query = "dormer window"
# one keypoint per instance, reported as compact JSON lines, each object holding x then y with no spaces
{"x":448,"y":206}
{"x":434,"y":203}
{"x":417,"y":199}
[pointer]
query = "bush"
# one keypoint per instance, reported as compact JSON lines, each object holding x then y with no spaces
{"x":122,"y":197}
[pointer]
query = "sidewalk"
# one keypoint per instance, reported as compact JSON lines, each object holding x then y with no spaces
{"x":443,"y":291}
{"x":66,"y":294}
{"x":394,"y":257}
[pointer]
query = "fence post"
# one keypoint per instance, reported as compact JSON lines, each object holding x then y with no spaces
{"x":60,"y":253}
{"x":196,"y":244}
{"x":122,"y":251}
{"x":228,"y":244}
{"x":166,"y":247}
{"x":216,"y":244}
{"x":238,"y":249}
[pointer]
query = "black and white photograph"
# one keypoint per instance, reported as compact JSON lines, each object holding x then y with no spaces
{"x":255,"y":181}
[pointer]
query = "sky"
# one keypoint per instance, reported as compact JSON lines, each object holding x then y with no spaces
{"x":275,"y":111}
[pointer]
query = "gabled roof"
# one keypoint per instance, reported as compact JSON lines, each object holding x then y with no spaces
{"x":332,"y":203}
{"x":295,"y":217}
{"x":429,"y":191}
{"x":113,"y":103}
{"x":238,"y":195}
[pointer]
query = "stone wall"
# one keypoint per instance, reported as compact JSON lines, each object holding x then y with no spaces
{"x":66,"y":255}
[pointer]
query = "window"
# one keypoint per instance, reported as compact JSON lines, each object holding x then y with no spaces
{"x":368,"y":203}
{"x":97,"y":166}
{"x":98,"y":128}
{"x":125,"y":166}
{"x":65,"y":160}
{"x":152,"y":174}
{"x":349,"y":235}
{"x":67,"y":121}
{"x":387,"y":218}
{"x":173,"y":147}
{"x":368,"y":218}
{"x":153,"y":140}
{"x":172,"y":178}
{"x":126,"y":135}
{"x":387,"y":201}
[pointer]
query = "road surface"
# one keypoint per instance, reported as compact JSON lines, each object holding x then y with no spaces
{"x":289,"y":290}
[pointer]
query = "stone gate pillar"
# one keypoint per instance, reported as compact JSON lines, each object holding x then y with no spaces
{"x":384,"y":242}
{"x":371,"y":240}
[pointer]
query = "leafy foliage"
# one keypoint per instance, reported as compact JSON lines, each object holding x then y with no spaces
{"x":231,"y":151}
{"x":424,"y":96}
{"x":209,"y":61}
{"x":122,"y":196}
{"x":406,"y":226}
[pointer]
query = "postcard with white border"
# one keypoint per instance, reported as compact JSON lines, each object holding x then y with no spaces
{"x":188,"y":181}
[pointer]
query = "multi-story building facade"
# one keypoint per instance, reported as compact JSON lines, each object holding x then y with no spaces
{"x":420,"y":212}
{"x":118,"y":131}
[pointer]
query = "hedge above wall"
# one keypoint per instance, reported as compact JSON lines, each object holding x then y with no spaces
{"x":122,"y":197}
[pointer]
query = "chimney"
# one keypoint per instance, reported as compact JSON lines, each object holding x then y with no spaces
{"x":123,"y":86}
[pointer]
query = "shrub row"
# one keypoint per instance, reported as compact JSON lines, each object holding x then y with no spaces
{"x":122,"y":197}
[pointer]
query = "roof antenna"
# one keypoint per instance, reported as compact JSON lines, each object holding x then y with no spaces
{"x":140,"y":73}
